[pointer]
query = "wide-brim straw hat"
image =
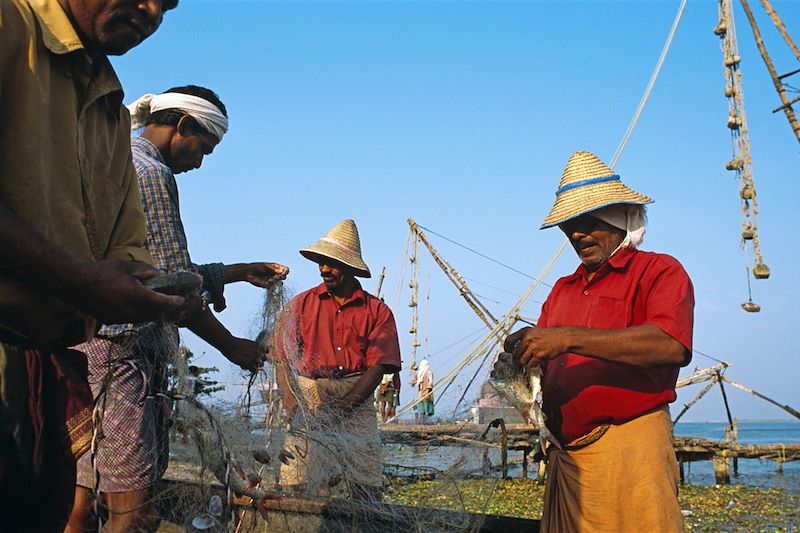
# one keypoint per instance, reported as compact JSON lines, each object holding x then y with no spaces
{"x":342,"y":244}
{"x":586,"y":185}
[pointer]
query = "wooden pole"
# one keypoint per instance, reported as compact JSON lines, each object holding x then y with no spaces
{"x":730,"y":432}
{"x":696,"y":399}
{"x":781,"y":28}
{"x":455,"y":278}
{"x":380,"y":284}
{"x":525,"y":453}
{"x":757,"y":394}
{"x":722,"y":474}
{"x":788,"y":111}
{"x":735,"y":444}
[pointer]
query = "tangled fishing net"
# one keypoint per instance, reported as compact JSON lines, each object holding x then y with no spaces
{"x":280,"y":458}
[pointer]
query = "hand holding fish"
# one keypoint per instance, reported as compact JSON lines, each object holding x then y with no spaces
{"x":532,"y":346}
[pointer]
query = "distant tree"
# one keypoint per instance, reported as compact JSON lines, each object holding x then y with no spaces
{"x":188,"y":379}
{"x":196,"y":376}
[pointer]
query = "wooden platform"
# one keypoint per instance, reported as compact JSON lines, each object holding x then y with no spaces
{"x":524,"y":438}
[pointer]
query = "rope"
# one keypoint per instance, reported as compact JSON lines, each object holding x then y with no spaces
{"x":521,"y":273}
{"x":650,"y":84}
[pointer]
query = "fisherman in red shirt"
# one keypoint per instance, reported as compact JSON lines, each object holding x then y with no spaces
{"x":611,"y":339}
{"x":331,"y":347}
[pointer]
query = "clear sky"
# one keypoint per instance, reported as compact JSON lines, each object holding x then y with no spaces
{"x":462,"y":116}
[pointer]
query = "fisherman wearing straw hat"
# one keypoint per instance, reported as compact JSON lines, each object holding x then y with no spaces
{"x":332,"y":346}
{"x":611,"y":339}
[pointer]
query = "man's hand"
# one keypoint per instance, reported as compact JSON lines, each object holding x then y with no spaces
{"x":245,"y":353}
{"x":259,"y":274}
{"x":532,"y":346}
{"x":112,"y":292}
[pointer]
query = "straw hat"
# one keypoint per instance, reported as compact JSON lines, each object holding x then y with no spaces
{"x":341,"y":244}
{"x":588,"y":184}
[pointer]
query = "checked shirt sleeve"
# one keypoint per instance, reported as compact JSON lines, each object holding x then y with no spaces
{"x":214,"y":282}
{"x":166,"y":239}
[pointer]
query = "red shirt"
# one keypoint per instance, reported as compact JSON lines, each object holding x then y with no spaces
{"x":323,"y":339}
{"x":633,"y":288}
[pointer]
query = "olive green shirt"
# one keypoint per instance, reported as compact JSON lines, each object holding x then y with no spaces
{"x":65,"y":160}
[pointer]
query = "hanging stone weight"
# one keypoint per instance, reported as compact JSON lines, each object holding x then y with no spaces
{"x":760,"y":271}
{"x":751,"y":307}
{"x":731,"y":61}
{"x":734,"y":122}
{"x":748,"y":234}
{"x":747,"y":192}
{"x":728,"y":91}
{"x":735,"y":164}
{"x":720,"y":29}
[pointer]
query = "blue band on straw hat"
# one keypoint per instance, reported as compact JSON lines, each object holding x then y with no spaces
{"x":586,"y":183}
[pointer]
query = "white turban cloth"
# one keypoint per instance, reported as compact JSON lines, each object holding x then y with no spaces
{"x":424,"y":367}
{"x":204,"y":112}
{"x":627,"y":217}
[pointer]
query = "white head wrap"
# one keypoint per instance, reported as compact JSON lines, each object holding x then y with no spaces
{"x":204,"y":112}
{"x":627,"y":217}
{"x":424,"y":367}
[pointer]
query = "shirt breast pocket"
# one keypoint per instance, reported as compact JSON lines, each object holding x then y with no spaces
{"x":609,"y":313}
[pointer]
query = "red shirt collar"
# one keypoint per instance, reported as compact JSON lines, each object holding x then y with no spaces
{"x":618,"y":261}
{"x":322,"y":292}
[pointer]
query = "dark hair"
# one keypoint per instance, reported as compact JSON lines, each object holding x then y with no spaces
{"x":170,"y":117}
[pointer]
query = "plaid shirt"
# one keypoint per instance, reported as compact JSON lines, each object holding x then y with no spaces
{"x":166,"y":239}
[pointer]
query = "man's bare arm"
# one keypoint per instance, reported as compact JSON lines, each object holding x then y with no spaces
{"x":110,"y":291}
{"x":645,"y":345}
{"x":243,"y":352}
{"x":259,"y":274}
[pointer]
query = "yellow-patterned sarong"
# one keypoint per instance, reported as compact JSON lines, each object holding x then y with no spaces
{"x":625,"y":481}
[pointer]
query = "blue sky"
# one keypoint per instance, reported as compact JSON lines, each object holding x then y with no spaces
{"x":462,"y":116}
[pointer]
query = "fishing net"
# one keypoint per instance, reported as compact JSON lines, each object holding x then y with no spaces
{"x":281,"y":458}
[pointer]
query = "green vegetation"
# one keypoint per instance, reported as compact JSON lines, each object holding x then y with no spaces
{"x":722,"y":508}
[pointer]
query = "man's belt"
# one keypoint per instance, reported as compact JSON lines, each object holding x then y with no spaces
{"x":333,"y":372}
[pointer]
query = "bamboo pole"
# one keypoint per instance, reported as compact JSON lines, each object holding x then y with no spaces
{"x":773,"y":15}
{"x":696,"y":399}
{"x":786,"y":408}
{"x":788,"y":111}
{"x":380,"y":284}
{"x":455,"y":278}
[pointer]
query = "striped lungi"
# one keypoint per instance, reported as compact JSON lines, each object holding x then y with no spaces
{"x":128,"y":380}
{"x":625,"y":481}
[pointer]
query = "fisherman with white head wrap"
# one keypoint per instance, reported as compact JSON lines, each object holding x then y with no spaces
{"x":208,"y":115}
{"x":610,"y":341}
{"x":179,"y":128}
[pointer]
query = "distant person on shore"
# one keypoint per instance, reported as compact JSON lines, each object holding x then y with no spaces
{"x":611,"y":339}
{"x":71,"y":236}
{"x":424,"y":383}
{"x":332,"y":346}
{"x":128,"y":364}
{"x":388,"y":395}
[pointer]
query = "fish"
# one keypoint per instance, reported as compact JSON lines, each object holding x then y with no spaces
{"x":521,"y":387}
